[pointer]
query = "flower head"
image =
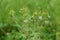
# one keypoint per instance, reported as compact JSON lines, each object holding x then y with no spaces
{"x":46,"y":22}
{"x":25,"y":20}
{"x":40,"y":17}
{"x":7,"y":33}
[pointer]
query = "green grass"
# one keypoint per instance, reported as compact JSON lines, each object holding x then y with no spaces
{"x":29,"y":19}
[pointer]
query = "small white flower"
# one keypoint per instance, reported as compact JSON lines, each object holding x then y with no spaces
{"x":26,"y":21}
{"x":46,"y":22}
{"x":7,"y":33}
{"x":40,"y":17}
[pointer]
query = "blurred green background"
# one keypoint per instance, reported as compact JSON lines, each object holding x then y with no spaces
{"x":29,"y":19}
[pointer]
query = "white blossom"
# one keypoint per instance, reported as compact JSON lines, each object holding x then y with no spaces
{"x":46,"y":22}
{"x":7,"y":33}
{"x":40,"y":17}
{"x":25,"y":20}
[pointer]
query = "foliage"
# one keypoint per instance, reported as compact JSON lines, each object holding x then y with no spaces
{"x":29,"y":19}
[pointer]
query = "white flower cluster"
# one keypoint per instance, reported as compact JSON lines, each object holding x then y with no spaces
{"x":40,"y":18}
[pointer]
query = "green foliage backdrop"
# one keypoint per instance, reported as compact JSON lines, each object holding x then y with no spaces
{"x":29,"y":19}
